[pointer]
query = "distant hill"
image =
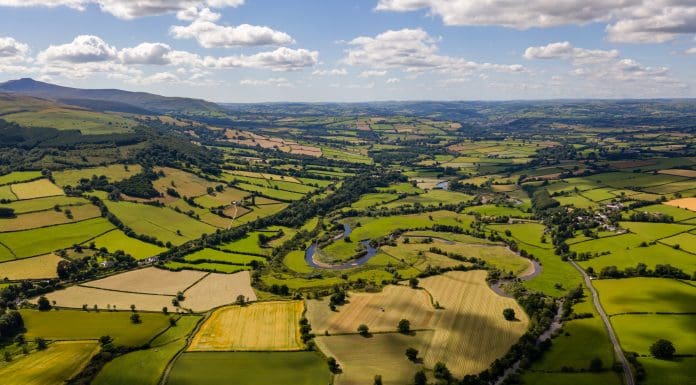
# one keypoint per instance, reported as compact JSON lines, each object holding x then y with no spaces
{"x":110,"y":99}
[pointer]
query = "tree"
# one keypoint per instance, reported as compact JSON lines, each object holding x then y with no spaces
{"x":378,"y":379}
{"x":363,"y":330}
{"x":596,"y":364}
{"x":135,"y":318}
{"x":413,"y":282}
{"x":165,"y":310}
{"x":8,"y":356}
{"x":412,"y":354}
{"x":441,"y":372}
{"x":334,"y":367}
{"x":240,"y":300}
{"x":420,"y":378}
{"x":40,"y":343}
{"x":662,"y":349}
{"x":509,"y":314}
{"x":404,"y":326}
{"x":132,"y":307}
{"x":44,"y":304}
{"x":105,"y":340}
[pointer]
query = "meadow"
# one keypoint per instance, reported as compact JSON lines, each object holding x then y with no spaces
{"x":19,"y":176}
{"x":55,"y":365}
{"x":646,"y":295}
{"x":36,"y":189}
{"x":41,"y":267}
{"x":113,"y":172}
{"x":117,"y":240}
{"x":49,"y":218}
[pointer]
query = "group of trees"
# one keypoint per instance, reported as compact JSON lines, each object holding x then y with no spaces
{"x":641,"y":270}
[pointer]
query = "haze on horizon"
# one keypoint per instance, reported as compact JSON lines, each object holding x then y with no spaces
{"x":368,"y":50}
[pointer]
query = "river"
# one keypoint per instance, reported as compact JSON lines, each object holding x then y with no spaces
{"x":347,"y":230}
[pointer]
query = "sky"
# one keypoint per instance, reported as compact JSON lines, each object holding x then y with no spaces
{"x":364,"y":50}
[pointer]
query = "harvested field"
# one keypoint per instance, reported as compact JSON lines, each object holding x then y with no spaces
{"x":149,"y":280}
{"x":381,"y":312}
{"x":43,"y":266}
{"x":221,"y":199}
{"x":679,"y":172}
{"x":49,"y":218}
{"x":219,"y":289}
{"x":185,"y":183}
{"x":55,"y":365}
{"x":114,"y":173}
{"x":684,"y":203}
{"x":76,"y":296}
{"x":362,"y":358}
{"x":37,"y":189}
{"x":260,"y":326}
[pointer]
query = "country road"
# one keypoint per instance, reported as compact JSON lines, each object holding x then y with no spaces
{"x":628,"y":374}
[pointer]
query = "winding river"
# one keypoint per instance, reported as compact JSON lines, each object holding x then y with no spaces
{"x":310,"y":253}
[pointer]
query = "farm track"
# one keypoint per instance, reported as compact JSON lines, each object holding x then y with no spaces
{"x":628,"y":374}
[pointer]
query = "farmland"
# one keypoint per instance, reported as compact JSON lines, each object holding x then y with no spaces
{"x":43,"y":266}
{"x":57,"y":364}
{"x":36,"y":189}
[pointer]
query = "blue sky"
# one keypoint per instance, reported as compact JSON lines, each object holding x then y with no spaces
{"x":339,"y":50}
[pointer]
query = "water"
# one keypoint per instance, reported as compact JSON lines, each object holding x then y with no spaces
{"x":347,"y":230}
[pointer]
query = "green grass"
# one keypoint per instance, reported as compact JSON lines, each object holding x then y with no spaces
{"x":139,"y":367}
{"x":686,"y":242}
{"x":401,"y":188}
{"x":432,"y":198}
{"x":248,"y":244}
{"x":577,"y":201}
{"x":206,"y":266}
{"x":524,"y":233}
{"x":184,"y":326}
{"x":625,"y":252}
{"x":81,"y":325}
{"x":41,"y":204}
{"x":374,"y":199}
{"x":295,"y":261}
{"x":637,"y":332}
{"x":677,"y":213}
{"x":159,"y":222}
{"x":297,"y":368}
{"x":19,"y":176}
{"x":114,"y":172}
{"x":6,"y":193}
{"x":271,"y":192}
{"x":117,"y":240}
{"x":651,"y":231}
{"x":681,"y":371}
{"x":295,"y":283}
{"x":88,"y":122}
{"x":543,"y":378}
{"x":43,"y":240}
{"x":331,"y":153}
{"x":221,"y":256}
{"x":497,"y":211}
{"x":646,"y":295}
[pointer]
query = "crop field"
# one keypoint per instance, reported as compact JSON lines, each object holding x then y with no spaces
{"x":42,"y":204}
{"x":161,"y":223}
{"x":55,"y":365}
{"x":261,"y":326}
{"x":251,"y":368}
{"x":219,"y":289}
{"x":114,"y":173}
{"x":49,"y":218}
{"x":60,"y":325}
{"x":362,"y":358}
{"x":36,"y":189}
{"x":381,"y":312}
{"x":44,"y":240}
{"x":185,"y":183}
{"x":43,"y":266}
{"x":117,"y":240}
{"x":19,"y":176}
{"x":149,"y":280}
{"x":77,"y":296}
{"x":685,"y":203}
{"x":646,"y":295}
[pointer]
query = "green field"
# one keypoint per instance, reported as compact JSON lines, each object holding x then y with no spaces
{"x":544,"y":378}
{"x":297,"y":368}
{"x":295,"y":261}
{"x":82,"y":325}
{"x":116,"y":240}
{"x":646,"y":295}
{"x":681,"y":371}
{"x":55,"y":365}
{"x":637,"y":332}
{"x":221,"y":256}
{"x":19,"y":176}
{"x":29,"y":243}
{"x":41,"y":204}
{"x":88,"y":122}
{"x":249,"y":244}
{"x":114,"y":173}
{"x":205,"y":266}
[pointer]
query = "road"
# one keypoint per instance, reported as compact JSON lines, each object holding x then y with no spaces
{"x":628,"y":374}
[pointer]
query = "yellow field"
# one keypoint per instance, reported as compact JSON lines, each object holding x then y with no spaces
{"x":149,"y":280}
{"x":381,"y":312}
{"x":678,"y":172}
{"x":683,"y":203}
{"x":49,"y":218}
{"x":262,"y":175}
{"x":76,"y":296}
{"x":470,"y":332}
{"x":219,"y":289}
{"x":185,"y":183}
{"x":37,"y":189}
{"x":55,"y":365}
{"x":43,"y":266}
{"x":260,"y":326}
{"x":114,"y":172}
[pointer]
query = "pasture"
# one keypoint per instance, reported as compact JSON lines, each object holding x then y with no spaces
{"x":49,"y":218}
{"x":637,"y":332}
{"x":581,"y":378}
{"x":117,"y":240}
{"x":55,"y":365}
{"x":646,"y":295}
{"x":252,"y":368}
{"x":43,"y":266}
{"x":139,"y":367}
{"x":222,"y":256}
{"x":205,"y":266}
{"x":71,"y":118}
{"x":19,"y":176}
{"x":113,"y":172}
{"x":36,"y":189}
{"x":185,"y":183}
{"x":680,"y":371}
{"x":261,"y":326}
{"x":42,"y":204}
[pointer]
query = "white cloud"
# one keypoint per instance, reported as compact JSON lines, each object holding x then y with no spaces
{"x":83,"y":49}
{"x":332,"y":72}
{"x":282,"y":59}
{"x":146,"y":53}
{"x":565,"y":50}
{"x":127,"y":9}
{"x":211,"y":35}
{"x":691,"y":51}
{"x":12,"y":49}
{"x":412,"y":50}
{"x":634,"y":21}
{"x":372,"y":73}
{"x":393,"y":80}
{"x":277,"y":82}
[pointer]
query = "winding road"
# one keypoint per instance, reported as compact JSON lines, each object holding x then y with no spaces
{"x":628,"y":374}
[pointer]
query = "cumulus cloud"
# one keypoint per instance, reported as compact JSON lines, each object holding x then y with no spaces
{"x":281,"y":59}
{"x":83,"y":49}
{"x":332,"y":72}
{"x":146,"y":53}
{"x":412,"y":50}
{"x":211,"y":35}
{"x":11,"y":49}
{"x":565,"y":50}
{"x":372,"y":73}
{"x":634,"y":21}
{"x":127,"y":9}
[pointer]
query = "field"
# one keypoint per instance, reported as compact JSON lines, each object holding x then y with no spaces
{"x":637,"y":332}
{"x":685,"y":203}
{"x":586,"y":378}
{"x":36,"y":189}
{"x":44,"y":240}
{"x":681,"y":371}
{"x":212,"y":291}
{"x":185,"y":183}
{"x":49,"y":218}
{"x":43,"y":266}
{"x":60,"y":325}
{"x":149,"y":280}
{"x":217,"y":368}
{"x":222,"y":256}
{"x":42,"y":204}
{"x":114,"y":173}
{"x":55,"y":365}
{"x":116,"y":240}
{"x":362,"y":358}
{"x":646,"y":295}
{"x":19,"y":176}
{"x":72,"y":118}
{"x":262,"y":326}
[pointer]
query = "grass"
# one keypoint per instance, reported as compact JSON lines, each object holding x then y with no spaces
{"x":37,"y":219}
{"x":651,"y":231}
{"x":646,"y":295}
{"x":271,"y":192}
{"x":374,"y":199}
{"x":43,"y":266}
{"x":140,"y":367}
{"x":116,"y":240}
{"x":213,"y":368}
{"x":637,"y":332}
{"x":87,"y":122}
{"x":6,"y":193}
{"x":681,"y":371}
{"x":626,"y":252}
{"x":19,"y":176}
{"x":44,"y":240}
{"x":677,"y":213}
{"x":497,"y":211}
{"x":185,"y":183}
{"x":82,"y":325}
{"x":205,"y":266}
{"x":544,"y":378}
{"x":55,"y":365}
{"x":184,"y":326}
{"x":686,"y":242}
{"x":295,"y":261}
{"x":261,"y":326}
{"x":248,"y":244}
{"x":221,"y":256}
{"x":114,"y":173}
{"x":42,"y":204}
{"x":36,"y":189}
{"x":431,"y":198}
